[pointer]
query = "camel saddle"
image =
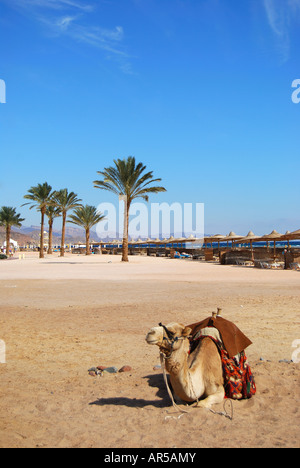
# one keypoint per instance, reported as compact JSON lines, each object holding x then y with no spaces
{"x":234,"y":341}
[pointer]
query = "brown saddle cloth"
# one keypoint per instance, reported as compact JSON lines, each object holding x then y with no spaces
{"x":234,"y":340}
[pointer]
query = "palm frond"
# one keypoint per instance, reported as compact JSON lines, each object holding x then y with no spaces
{"x":65,"y":200}
{"x":39,"y":196}
{"x":10,"y":217}
{"x":128,"y":178}
{"x":86,"y":216}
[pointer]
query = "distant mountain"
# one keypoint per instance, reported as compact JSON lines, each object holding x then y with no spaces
{"x":21,"y":238}
{"x":74,"y":235}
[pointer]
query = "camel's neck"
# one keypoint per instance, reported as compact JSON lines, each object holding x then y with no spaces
{"x":182,"y":378}
{"x":176,"y":363}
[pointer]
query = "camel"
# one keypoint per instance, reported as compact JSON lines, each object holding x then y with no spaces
{"x":195,"y":377}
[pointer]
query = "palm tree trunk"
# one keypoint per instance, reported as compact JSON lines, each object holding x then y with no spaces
{"x":50,"y":236}
{"x":8,"y":229}
{"x":42,"y":235}
{"x":62,"y":247}
{"x":125,"y":235}
{"x":87,"y":241}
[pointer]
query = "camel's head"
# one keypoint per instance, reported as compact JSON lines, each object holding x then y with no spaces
{"x":168,"y":337}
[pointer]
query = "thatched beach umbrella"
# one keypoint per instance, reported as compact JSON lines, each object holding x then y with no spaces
{"x":107,"y":242}
{"x":249,"y":239}
{"x":273,"y":236}
{"x":232,"y":236}
{"x":138,"y":242}
{"x":192,"y":238}
{"x":292,"y":235}
{"x":215,"y":238}
{"x":172,"y":240}
{"x":286,"y":237}
{"x":149,"y":241}
{"x":181,"y":240}
{"x":116,"y":243}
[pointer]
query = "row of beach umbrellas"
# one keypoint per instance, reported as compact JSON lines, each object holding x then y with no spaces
{"x":171,"y":240}
{"x":231,"y":237}
{"x":251,"y":237}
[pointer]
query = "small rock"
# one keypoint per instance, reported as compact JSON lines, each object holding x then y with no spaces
{"x":101,"y":368}
{"x":111,"y":370}
{"x":125,"y":369}
{"x":157,"y":367}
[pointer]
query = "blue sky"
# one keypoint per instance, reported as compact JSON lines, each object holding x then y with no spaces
{"x":198,"y":90}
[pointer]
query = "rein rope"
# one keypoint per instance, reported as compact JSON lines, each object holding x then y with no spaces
{"x":171,"y":340}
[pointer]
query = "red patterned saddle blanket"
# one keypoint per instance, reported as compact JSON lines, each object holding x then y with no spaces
{"x":238,"y":379}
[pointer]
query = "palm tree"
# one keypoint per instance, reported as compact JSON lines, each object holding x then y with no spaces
{"x":65,"y":201}
{"x":52,"y":212}
{"x":9,"y":218}
{"x":86,"y":216}
{"x":41,"y":197}
{"x":128,"y":180}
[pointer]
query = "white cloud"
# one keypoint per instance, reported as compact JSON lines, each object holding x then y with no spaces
{"x":276,"y":14}
{"x":64,"y":22}
{"x":280,"y":15}
{"x":52,"y":4}
{"x":73,"y":19}
{"x":101,"y":38}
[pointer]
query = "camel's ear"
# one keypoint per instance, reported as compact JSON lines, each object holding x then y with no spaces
{"x":186,"y":331}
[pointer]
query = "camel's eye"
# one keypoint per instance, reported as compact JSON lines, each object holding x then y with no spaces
{"x":168,"y":332}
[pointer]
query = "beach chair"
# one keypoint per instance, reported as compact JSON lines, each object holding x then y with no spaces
{"x":295,"y":266}
{"x":265,"y":265}
{"x":277,"y":265}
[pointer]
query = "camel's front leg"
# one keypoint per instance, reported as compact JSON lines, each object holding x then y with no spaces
{"x":213,"y":399}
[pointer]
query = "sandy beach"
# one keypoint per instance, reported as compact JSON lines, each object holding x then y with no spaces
{"x":61,"y":316}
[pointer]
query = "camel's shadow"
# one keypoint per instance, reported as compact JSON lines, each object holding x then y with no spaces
{"x":153,"y":381}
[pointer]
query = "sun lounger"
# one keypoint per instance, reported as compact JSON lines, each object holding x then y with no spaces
{"x":277,"y":265}
{"x":270,"y":265}
{"x":244,"y":262}
{"x":295,"y":266}
{"x":264,"y":265}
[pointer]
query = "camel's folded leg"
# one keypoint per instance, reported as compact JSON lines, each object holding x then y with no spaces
{"x":213,"y":399}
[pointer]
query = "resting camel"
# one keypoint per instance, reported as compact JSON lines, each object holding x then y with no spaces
{"x":194,"y":377}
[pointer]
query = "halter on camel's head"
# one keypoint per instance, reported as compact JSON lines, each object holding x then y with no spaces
{"x":171,"y":339}
{"x":170,"y":334}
